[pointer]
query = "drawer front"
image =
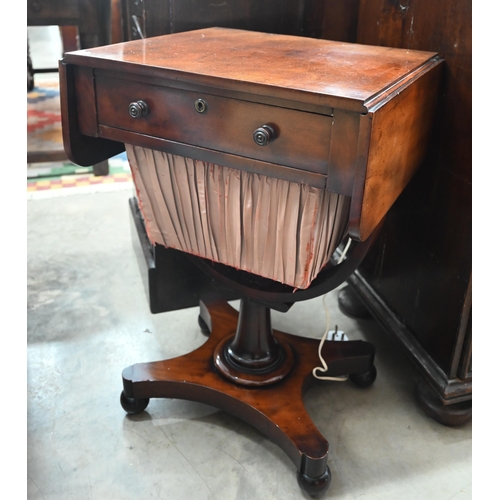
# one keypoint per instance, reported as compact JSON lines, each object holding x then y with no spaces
{"x":228,"y":125}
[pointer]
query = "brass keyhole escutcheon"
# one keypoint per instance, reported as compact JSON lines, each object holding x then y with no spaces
{"x":200,"y":105}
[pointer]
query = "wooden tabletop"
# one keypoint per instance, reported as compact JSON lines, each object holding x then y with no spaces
{"x":319,"y":71}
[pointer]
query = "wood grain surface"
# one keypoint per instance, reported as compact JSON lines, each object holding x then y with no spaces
{"x":320,"y":71}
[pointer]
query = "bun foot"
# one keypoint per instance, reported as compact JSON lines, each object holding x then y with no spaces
{"x":203,"y":326}
{"x":446,"y":414}
{"x":365,"y":379}
{"x":351,"y":305}
{"x":315,"y":486}
{"x":133,"y":406}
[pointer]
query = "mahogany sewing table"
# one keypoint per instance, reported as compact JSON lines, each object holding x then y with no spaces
{"x":345,"y":118}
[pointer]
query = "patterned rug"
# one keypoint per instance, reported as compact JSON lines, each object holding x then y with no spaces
{"x":44,"y":134}
{"x":44,"y":117}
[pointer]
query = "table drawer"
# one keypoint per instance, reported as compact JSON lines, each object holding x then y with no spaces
{"x":228,"y":125}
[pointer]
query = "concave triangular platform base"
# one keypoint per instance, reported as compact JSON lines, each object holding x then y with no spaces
{"x":276,"y":409}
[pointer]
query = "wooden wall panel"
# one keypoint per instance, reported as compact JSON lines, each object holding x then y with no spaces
{"x":421,"y":265}
{"x":158,"y":17}
{"x":332,"y":19}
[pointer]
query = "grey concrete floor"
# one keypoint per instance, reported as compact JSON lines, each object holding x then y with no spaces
{"x":88,"y":318}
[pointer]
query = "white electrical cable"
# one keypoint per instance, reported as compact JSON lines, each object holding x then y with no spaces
{"x":324,"y":367}
{"x":344,"y":252}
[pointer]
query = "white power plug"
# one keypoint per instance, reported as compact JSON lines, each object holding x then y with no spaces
{"x":336,"y":335}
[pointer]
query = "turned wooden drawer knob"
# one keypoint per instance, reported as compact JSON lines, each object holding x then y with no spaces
{"x":264,"y":135}
{"x":137,"y":109}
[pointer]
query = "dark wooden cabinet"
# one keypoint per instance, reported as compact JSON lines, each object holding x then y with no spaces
{"x":92,"y":17}
{"x":147,"y":18}
{"x":417,"y":279}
